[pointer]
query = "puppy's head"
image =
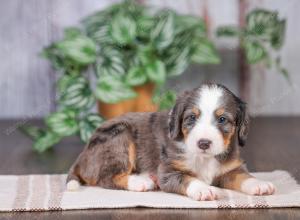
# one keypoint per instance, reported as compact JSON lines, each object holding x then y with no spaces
{"x":209,"y":120}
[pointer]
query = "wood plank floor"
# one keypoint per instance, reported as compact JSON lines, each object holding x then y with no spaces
{"x":274,"y":143}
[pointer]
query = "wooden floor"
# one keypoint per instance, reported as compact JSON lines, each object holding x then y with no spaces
{"x":274,"y":143}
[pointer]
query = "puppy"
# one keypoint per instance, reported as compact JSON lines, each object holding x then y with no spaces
{"x":187,"y":150}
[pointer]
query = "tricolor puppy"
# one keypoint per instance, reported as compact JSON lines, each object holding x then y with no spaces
{"x":188,"y":150}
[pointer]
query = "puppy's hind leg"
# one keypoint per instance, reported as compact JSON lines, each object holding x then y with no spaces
{"x":109,"y":161}
{"x":140,"y":183}
{"x":133,"y":182}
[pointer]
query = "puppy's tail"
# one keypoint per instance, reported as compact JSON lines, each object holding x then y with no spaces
{"x":73,"y":181}
{"x":73,"y":185}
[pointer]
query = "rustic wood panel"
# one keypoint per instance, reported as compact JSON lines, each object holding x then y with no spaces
{"x":24,"y":79}
{"x":215,"y":13}
{"x":271,"y":94}
{"x":27,"y":81}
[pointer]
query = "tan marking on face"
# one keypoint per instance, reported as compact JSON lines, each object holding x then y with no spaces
{"x":227,"y":137}
{"x":121,"y":180}
{"x":185,"y":133}
{"x":219,"y":112}
{"x":196,"y":111}
{"x":234,"y":179}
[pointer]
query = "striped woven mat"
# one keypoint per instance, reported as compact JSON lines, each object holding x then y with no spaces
{"x":47,"y":192}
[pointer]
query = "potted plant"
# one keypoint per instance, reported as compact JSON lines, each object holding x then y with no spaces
{"x":119,"y":59}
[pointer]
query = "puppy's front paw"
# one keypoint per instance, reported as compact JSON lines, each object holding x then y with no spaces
{"x":257,"y":187}
{"x":200,"y":191}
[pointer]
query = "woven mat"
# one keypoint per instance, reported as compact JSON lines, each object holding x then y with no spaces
{"x":47,"y":192}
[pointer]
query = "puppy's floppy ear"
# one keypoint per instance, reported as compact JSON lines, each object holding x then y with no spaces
{"x":175,"y":117}
{"x":242,"y":122}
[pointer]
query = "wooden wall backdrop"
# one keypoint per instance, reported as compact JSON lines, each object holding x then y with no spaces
{"x":270,"y":92}
{"x":27,"y":83}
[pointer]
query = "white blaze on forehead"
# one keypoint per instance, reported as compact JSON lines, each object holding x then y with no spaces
{"x":209,"y":101}
{"x":210,"y":97}
{"x":205,"y":165}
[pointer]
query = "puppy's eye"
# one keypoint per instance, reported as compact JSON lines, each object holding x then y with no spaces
{"x":192,"y":118}
{"x":222,"y":120}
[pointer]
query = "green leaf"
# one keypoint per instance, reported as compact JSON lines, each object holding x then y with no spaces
{"x":134,"y":9}
{"x":278,"y":34}
{"x":156,"y":71}
{"x":205,"y":52}
{"x":136,"y":76}
{"x":190,"y":23}
{"x":144,"y":25}
{"x":286,"y":75}
{"x":123,"y":29}
{"x":165,"y":100}
{"x":267,"y":26}
{"x":88,"y":125}
{"x":55,"y":56}
{"x":32,"y":131}
{"x":261,"y":22}
{"x":46,"y":141}
{"x":93,"y":21}
{"x":111,"y":89}
{"x":65,"y":81}
{"x":76,"y":93}
{"x":43,"y":140}
{"x":282,"y":70}
{"x":163,"y":33}
{"x":110,"y":62}
{"x":255,"y":52}
{"x":101,"y":35}
{"x":72,"y":32}
{"x":97,"y":27}
{"x":178,"y":61}
{"x":81,"y":49}
{"x":63,"y":122}
{"x":183,"y":40}
{"x":228,"y":31}
{"x":145,"y":54}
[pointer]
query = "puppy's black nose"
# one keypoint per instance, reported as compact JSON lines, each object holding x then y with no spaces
{"x":204,"y":144}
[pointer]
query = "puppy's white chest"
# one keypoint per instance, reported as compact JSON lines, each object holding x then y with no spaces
{"x":205,"y":168}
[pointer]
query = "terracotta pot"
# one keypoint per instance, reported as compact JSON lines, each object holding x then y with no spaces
{"x":142,"y":103}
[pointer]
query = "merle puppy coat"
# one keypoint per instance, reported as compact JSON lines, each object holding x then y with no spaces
{"x":188,"y":150}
